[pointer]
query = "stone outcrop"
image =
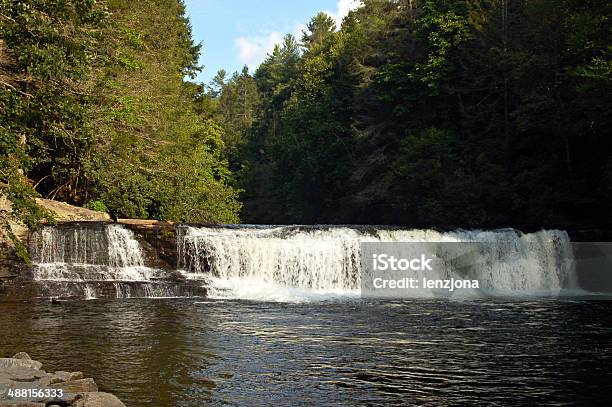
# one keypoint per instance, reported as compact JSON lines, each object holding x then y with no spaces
{"x":20,"y":372}
{"x":158,"y":239}
{"x":64,"y":212}
{"x":99,"y":399}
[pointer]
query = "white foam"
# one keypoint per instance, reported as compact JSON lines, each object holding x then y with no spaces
{"x":110,"y":253}
{"x":295,"y":263}
{"x":258,"y":290}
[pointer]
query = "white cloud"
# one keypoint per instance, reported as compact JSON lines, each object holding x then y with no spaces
{"x":298,"y":29}
{"x":252,"y":50}
{"x":342,"y":9}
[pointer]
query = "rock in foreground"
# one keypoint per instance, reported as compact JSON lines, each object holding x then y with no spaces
{"x":24,"y":383}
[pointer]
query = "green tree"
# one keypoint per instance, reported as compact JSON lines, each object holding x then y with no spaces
{"x":95,"y":109}
{"x":439,"y":113}
{"x":317,"y":30}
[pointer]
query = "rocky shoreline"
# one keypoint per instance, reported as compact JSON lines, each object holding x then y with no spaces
{"x":23,"y":383}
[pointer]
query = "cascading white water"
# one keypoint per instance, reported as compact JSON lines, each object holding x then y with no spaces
{"x":97,"y":260}
{"x":94,"y":260}
{"x":273,"y":262}
{"x":106,"y":253}
{"x":286,"y":262}
{"x":320,"y":259}
{"x":123,"y":249}
{"x":90,"y":292}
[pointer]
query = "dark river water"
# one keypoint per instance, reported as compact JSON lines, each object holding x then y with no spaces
{"x":171,"y":352}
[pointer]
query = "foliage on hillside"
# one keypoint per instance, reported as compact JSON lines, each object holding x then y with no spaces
{"x":426,"y":113}
{"x":95,"y":111}
{"x":432,"y":113}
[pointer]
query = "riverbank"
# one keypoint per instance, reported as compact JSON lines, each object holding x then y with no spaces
{"x":24,"y":383}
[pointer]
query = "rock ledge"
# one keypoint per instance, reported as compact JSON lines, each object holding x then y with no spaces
{"x":20,"y":372}
{"x":64,"y":212}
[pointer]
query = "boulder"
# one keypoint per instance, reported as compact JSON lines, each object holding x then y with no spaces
{"x":7,"y":363}
{"x":21,"y":355}
{"x":67,"y":376}
{"x":77,"y":386}
{"x":22,"y":374}
{"x":66,"y":212}
{"x":99,"y":399}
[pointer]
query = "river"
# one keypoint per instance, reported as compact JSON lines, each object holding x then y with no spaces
{"x":198,"y":352}
{"x":283,"y":316}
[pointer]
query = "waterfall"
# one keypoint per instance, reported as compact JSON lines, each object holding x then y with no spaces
{"x":98,"y":260}
{"x":88,"y":253}
{"x":288,"y":263}
{"x":123,"y":249}
{"x":272,"y":262}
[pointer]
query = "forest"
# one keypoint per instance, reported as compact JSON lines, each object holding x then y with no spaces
{"x":437,"y":113}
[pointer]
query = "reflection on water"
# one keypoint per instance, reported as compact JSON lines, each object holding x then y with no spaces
{"x":353,"y":352}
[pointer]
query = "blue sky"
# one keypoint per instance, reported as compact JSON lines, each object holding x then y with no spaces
{"x":235,"y":33}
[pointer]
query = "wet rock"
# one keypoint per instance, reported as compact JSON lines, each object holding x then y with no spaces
{"x":21,"y":355}
{"x":22,"y":374}
{"x":7,"y":363}
{"x":99,"y":399}
{"x":77,"y":386}
{"x":158,"y":240}
{"x":67,"y":376}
